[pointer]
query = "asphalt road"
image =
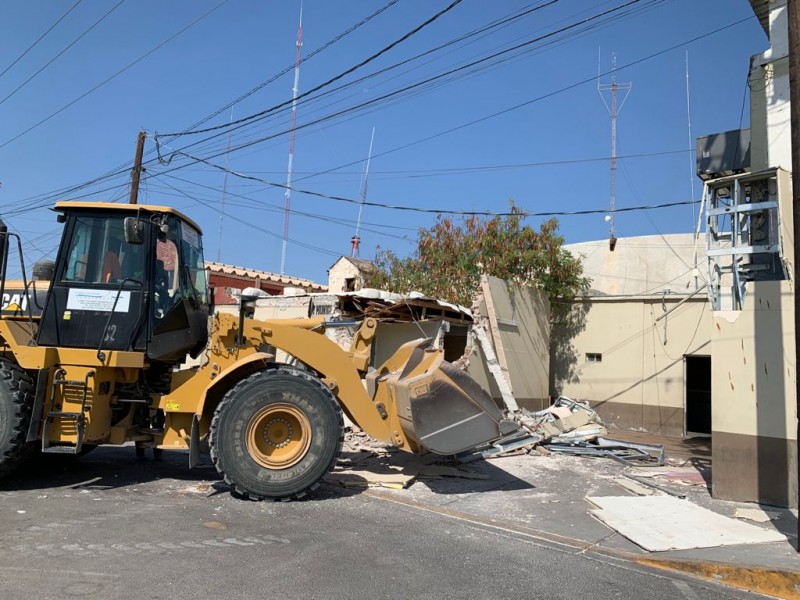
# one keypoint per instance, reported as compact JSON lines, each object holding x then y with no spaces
{"x":110,"y":526}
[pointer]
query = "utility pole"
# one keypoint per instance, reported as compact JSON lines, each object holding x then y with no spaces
{"x":793,"y":14}
{"x":136,"y":172}
{"x":613,"y":111}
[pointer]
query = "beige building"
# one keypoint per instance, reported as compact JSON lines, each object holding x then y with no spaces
{"x":649,"y":358}
{"x":638,"y":348}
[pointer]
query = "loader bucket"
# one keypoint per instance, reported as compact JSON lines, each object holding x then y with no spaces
{"x":442,"y":408}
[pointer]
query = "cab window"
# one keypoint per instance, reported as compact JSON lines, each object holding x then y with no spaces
{"x":192,"y":247}
{"x":98,"y":253}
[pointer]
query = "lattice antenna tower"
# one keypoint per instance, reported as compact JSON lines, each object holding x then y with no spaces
{"x":287,"y":203}
{"x":614,"y":105}
{"x":355,"y":241}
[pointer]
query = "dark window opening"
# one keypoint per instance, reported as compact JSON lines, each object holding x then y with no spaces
{"x":350,"y":284}
{"x":594,"y":357}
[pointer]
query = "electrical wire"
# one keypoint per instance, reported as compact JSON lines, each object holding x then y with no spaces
{"x":256,"y":205}
{"x":40,"y":38}
{"x":290,"y":67}
{"x":403,"y":90}
{"x":112,"y":77}
{"x":119,"y":170}
{"x":498,"y":23}
{"x":57,"y":56}
{"x":478,"y":120}
{"x":254,"y":226}
{"x":330,"y":81}
{"x":533,"y":100}
{"x":441,"y":211}
{"x":463,"y":125}
{"x":124,"y":167}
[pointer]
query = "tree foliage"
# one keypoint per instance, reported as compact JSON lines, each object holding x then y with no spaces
{"x":451,"y":256}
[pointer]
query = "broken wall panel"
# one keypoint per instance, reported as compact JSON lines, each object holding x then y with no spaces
{"x":521,"y":337}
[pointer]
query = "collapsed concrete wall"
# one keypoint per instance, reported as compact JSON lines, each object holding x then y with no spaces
{"x":516,"y":318}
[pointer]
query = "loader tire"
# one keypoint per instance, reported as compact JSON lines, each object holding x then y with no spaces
{"x":275,"y":434}
{"x":16,"y":404}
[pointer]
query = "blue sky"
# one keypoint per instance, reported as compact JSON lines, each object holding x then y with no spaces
{"x":243,"y":43}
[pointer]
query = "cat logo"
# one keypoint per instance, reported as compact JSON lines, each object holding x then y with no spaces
{"x":14,"y":303}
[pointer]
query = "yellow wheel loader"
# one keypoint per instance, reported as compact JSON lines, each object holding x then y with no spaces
{"x":128,"y":302}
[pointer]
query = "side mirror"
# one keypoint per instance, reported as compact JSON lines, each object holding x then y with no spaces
{"x":134,"y":231}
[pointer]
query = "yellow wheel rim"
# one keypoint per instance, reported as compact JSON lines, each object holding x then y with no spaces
{"x":278,"y":436}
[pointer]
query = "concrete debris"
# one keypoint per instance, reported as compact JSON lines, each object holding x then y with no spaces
{"x":396,"y":471}
{"x":367,"y":462}
{"x":439,"y":471}
{"x":394,"y":479}
{"x":560,"y":421}
{"x":634,"y":487}
{"x":757,"y":515}
{"x":660,"y":523}
{"x":678,"y":475}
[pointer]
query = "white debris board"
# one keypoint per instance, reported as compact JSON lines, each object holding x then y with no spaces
{"x":658,"y":523}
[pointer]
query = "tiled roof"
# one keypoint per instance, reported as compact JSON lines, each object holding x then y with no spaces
{"x":284,"y":280}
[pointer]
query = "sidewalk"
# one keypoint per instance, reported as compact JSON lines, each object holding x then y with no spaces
{"x":547,"y":496}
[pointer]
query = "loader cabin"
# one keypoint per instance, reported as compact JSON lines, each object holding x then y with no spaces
{"x":127,"y":277}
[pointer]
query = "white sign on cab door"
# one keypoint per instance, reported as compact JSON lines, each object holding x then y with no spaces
{"x":98,"y":300}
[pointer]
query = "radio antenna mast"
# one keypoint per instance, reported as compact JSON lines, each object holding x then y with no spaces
{"x":288,"y":193}
{"x":613,"y":110}
{"x":355,"y":241}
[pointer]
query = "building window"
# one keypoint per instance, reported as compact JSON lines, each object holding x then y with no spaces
{"x":594,"y":357}
{"x":350,"y":284}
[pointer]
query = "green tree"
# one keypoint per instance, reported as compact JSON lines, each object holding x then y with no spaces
{"x":451,"y":257}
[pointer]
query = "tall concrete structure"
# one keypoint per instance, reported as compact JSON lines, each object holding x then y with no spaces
{"x":752,"y":349}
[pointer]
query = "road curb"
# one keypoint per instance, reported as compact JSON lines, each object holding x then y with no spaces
{"x":770,"y":582}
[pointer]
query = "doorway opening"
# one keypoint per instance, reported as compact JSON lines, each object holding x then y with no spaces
{"x":698,"y":394}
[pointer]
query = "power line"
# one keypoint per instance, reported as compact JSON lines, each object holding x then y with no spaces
{"x":263,"y":114}
{"x":114,"y":76}
{"x":333,"y":79}
{"x":40,"y":38}
{"x":287,"y":69}
{"x":498,"y":23}
{"x":253,"y":226}
{"x":442,"y":211}
{"x":123,"y":169}
{"x":256,"y":205}
{"x":414,"y":173}
{"x":78,"y":187}
{"x":464,"y":125}
{"x":494,"y":24}
{"x":57,"y":56}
